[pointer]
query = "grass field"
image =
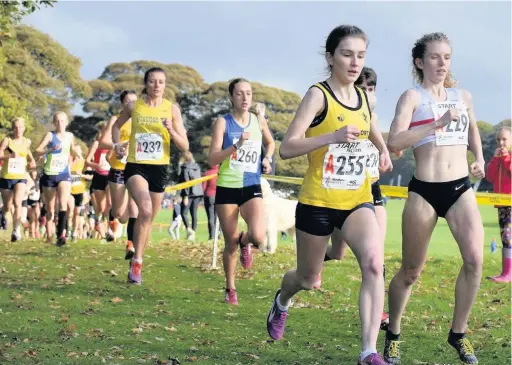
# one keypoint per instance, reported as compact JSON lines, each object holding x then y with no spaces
{"x":72,"y":305}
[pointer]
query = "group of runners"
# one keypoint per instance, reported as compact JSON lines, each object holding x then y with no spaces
{"x":340,"y":201}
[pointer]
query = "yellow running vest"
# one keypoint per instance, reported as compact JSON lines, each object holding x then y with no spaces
{"x":77,"y":181}
{"x":126,"y":130}
{"x":15,"y":168}
{"x":337,"y":175}
{"x":150,"y":141}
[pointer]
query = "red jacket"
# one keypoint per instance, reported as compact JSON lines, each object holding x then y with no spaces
{"x":210,"y":186}
{"x":499,"y":173}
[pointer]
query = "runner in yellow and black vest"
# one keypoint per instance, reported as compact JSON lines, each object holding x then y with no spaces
{"x":155,"y":122}
{"x":332,"y":127}
{"x":16,"y":157}
{"x":123,"y":207}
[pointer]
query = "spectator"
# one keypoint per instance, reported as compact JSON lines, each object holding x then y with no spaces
{"x":192,"y":195}
{"x":174,"y":227}
{"x":209,"y":188}
{"x":499,"y":174}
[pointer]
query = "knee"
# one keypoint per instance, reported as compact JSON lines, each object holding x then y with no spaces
{"x":145,"y":212}
{"x":337,"y":255}
{"x":473,"y":265}
{"x":372,"y":266}
{"x":307,"y":281}
{"x":411,"y":274}
{"x":231,"y":246}
{"x":257,"y":238}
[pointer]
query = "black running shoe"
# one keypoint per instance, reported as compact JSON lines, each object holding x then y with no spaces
{"x":392,"y":351}
{"x":464,"y":349}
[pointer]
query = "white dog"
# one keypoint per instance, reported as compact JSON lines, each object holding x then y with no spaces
{"x":280,"y":214}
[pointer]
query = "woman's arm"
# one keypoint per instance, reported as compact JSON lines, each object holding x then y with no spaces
{"x":295,"y":144}
{"x":42,"y":149}
{"x":3,"y":146}
{"x":178,"y":132}
{"x":89,"y":160}
{"x":106,"y":136}
{"x":217,"y":155}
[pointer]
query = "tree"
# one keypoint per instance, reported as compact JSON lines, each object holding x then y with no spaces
{"x":42,"y":72}
{"x":104,"y":101}
{"x":11,"y":13}
{"x":85,"y":128}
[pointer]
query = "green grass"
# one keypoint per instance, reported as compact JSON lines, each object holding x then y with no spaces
{"x":72,"y":305}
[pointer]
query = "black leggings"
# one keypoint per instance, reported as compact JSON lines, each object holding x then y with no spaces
{"x":209,"y":206}
{"x":193,"y":204}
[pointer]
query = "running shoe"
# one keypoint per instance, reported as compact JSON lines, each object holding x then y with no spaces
{"x":135,"y":273}
{"x":231,"y":297}
{"x":392,"y":351}
{"x":130,"y":251}
{"x":372,"y":359}
{"x":464,"y":349}
{"x":246,"y":258}
{"x":276,"y":320}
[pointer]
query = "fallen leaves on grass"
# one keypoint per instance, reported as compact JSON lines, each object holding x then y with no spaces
{"x":67,"y":280}
{"x":116,"y":300}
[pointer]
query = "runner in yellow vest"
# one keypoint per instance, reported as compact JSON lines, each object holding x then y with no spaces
{"x":332,"y":126}
{"x":16,"y":157}
{"x":123,"y":207}
{"x":155,"y":122}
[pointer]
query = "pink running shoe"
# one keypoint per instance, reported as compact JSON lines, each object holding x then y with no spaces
{"x":231,"y":297}
{"x":276,"y":320}
{"x":372,"y":359}
{"x":135,"y":273}
{"x":246,"y":258}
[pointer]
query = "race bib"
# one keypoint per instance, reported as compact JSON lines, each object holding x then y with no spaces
{"x":455,"y":133}
{"x":372,"y":164}
{"x":247,"y":157}
{"x":345,"y":165}
{"x":148,"y":147}
{"x":59,"y":162}
{"x":104,"y":165}
{"x":76,"y":180}
{"x":17,"y":165}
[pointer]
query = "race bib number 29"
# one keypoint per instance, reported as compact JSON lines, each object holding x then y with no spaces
{"x":148,"y":147}
{"x":455,"y":133}
{"x":345,"y":166}
{"x":247,"y":157}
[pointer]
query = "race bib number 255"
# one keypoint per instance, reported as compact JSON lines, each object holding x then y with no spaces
{"x":345,"y":166}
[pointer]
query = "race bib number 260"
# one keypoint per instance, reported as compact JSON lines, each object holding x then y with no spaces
{"x":455,"y":133}
{"x":345,"y":166}
{"x":247,"y":157}
{"x":148,"y":147}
